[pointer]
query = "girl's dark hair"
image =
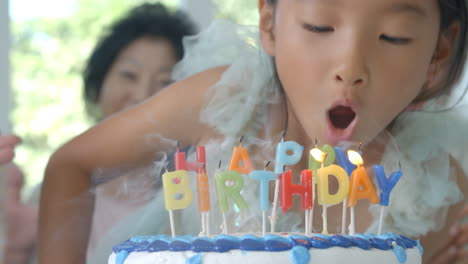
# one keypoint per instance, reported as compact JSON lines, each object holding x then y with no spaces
{"x":455,"y":11}
{"x":147,"y":20}
{"x":451,"y":11}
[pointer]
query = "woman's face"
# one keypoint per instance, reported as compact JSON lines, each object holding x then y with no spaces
{"x":140,"y":70}
{"x":349,"y":67}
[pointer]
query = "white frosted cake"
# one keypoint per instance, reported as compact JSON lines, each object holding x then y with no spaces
{"x":285,"y":248}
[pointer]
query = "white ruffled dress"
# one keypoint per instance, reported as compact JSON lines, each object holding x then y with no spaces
{"x":424,"y":142}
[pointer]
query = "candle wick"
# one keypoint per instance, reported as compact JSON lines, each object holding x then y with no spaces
{"x":267,"y":164}
{"x":241,"y":139}
{"x":219,"y":164}
{"x":316,"y":142}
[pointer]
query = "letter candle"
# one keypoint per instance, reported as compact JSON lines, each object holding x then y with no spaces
{"x":361,"y":186}
{"x":204,"y":200}
{"x":324,"y":197}
{"x":287,"y":153}
{"x":177,"y":193}
{"x":344,"y":162}
{"x":264,"y":177}
{"x":229,"y":184}
{"x":182,"y":164}
{"x":386,"y":186}
{"x":288,"y":189}
{"x":314,"y":166}
{"x":240,"y":160}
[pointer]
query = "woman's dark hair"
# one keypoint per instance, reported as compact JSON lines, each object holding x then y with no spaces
{"x":451,"y":11}
{"x":147,"y":20}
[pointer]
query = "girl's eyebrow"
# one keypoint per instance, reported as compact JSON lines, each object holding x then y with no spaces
{"x":407,"y":8}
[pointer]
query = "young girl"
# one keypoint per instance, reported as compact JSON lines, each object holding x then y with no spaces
{"x":334,"y":71}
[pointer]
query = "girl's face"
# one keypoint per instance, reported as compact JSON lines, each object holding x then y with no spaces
{"x":349,"y":67}
{"x":140,"y":70}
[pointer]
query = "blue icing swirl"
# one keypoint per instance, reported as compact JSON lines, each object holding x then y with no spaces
{"x":121,"y":257}
{"x":252,"y":243}
{"x":224,"y":243}
{"x":341,"y":241}
{"x":277,"y":243}
{"x":196,"y":259}
{"x":380,"y":243}
{"x":299,"y":255}
{"x":203,"y":244}
{"x":421,"y":249}
{"x":180,"y":244}
{"x":362,"y":243}
{"x":159,"y":245}
{"x":127,"y":245}
{"x":298,"y":240}
{"x":400,"y":253}
{"x":317,"y":242}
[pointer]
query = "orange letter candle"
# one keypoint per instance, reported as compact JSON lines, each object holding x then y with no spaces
{"x":240,"y":161}
{"x":203,"y":192}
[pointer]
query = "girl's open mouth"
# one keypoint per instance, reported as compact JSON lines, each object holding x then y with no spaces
{"x":341,"y":122}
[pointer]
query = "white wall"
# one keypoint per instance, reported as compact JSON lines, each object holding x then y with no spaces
{"x":4,"y":67}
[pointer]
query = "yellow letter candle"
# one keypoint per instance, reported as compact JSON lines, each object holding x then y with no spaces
{"x":177,"y":192}
{"x":324,"y":196}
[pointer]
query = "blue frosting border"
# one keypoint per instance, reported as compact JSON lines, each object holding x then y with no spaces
{"x":224,"y":243}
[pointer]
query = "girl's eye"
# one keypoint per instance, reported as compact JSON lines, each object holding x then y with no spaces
{"x":317,"y":29}
{"x":395,"y":40}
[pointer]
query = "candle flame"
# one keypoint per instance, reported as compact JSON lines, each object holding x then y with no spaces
{"x":355,"y":157}
{"x":318,"y":155}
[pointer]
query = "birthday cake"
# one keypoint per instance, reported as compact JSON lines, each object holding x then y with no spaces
{"x":354,"y":184}
{"x":245,"y":249}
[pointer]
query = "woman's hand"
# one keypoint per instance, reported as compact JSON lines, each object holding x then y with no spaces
{"x":20,"y":219}
{"x":455,"y":250}
{"x":7,"y":145}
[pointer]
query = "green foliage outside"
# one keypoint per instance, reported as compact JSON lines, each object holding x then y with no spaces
{"x":48,"y":55}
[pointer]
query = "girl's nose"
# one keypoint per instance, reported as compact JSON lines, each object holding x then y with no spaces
{"x":353,"y":69}
{"x":351,"y":79}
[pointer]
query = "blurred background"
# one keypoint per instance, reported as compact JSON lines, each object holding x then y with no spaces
{"x":43,"y":47}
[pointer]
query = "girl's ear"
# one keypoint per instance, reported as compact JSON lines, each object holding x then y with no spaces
{"x":266,"y":25}
{"x":443,"y":58}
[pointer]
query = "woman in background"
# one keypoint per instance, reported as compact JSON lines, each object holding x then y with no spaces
{"x":132,"y":61}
